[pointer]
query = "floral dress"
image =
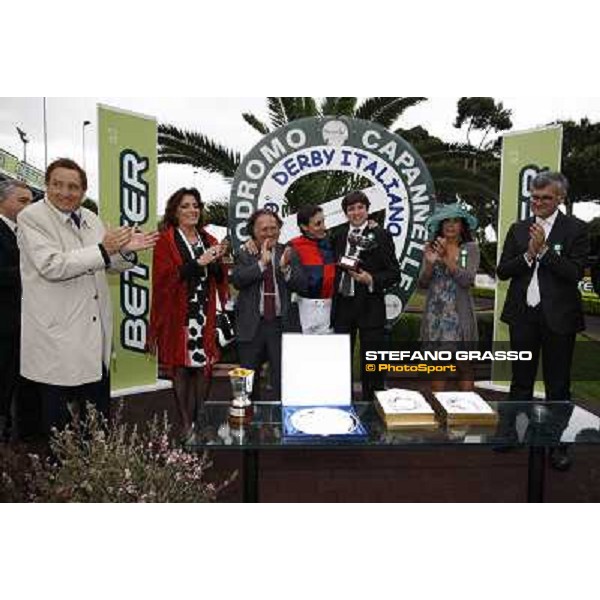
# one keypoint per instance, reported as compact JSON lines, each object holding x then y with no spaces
{"x":441,"y":321}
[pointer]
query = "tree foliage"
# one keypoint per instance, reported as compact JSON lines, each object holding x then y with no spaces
{"x":180,"y":146}
{"x":581,"y":159}
{"x":216,"y":213}
{"x":482,"y":114}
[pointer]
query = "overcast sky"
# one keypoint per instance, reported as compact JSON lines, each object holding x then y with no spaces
{"x":220,"y":118}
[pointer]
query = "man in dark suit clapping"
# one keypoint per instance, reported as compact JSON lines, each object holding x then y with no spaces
{"x":544,"y":258}
{"x":14,"y":196}
{"x":263,"y":308}
{"x":359,"y":305}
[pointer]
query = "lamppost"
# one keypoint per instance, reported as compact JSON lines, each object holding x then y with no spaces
{"x":85,"y":124}
{"x":45,"y":135}
{"x":25,"y":141}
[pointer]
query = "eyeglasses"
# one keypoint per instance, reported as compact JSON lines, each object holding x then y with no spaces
{"x":540,"y":198}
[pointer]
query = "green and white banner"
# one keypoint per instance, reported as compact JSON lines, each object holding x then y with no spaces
{"x":524,"y":155}
{"x":127,"y":176}
{"x":12,"y":167}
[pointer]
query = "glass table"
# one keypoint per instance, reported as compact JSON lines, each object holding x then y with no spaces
{"x":537,"y":426}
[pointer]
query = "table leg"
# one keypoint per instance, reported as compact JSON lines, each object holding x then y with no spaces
{"x":536,"y":474}
{"x":250,"y":473}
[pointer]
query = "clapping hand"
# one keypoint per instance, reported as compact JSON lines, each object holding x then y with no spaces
{"x":140,"y":241}
{"x":222,"y":248}
{"x":208,"y":257}
{"x":431,"y":256}
{"x":537,"y":239}
{"x":439,"y":246}
{"x":265,"y":252}
{"x":285,"y":258}
{"x":115,"y":240}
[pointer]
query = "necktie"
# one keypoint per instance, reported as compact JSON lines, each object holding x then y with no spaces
{"x":346,"y":280}
{"x":269,"y":312}
{"x":533,"y":290}
{"x":75,"y":218}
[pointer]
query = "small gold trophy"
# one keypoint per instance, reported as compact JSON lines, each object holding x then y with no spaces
{"x":240,"y":411}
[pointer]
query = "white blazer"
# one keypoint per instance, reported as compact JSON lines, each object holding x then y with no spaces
{"x":66,"y":330}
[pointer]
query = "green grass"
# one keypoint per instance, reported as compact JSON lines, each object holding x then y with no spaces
{"x":588,"y":391}
{"x":483,"y":293}
{"x":417,"y":300}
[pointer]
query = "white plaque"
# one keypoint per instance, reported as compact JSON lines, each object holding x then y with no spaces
{"x":315,"y":370}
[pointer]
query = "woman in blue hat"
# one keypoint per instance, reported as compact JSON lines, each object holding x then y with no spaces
{"x":450,"y":264}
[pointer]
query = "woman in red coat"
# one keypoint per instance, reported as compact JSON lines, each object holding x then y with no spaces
{"x":187,"y":278}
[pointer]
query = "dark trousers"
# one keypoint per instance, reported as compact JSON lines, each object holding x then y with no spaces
{"x":533,"y":334}
{"x":9,"y":377}
{"x":55,"y":399}
{"x":266,"y":345}
{"x":19,"y":401}
{"x":27,"y":411}
{"x":346,"y":320}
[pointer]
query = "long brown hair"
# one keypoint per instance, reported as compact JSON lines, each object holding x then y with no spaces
{"x":170,"y":218}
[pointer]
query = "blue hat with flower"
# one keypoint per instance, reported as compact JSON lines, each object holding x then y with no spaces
{"x":458,"y":210}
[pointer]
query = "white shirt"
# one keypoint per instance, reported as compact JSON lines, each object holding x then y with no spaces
{"x":349,"y":248}
{"x":533,"y":289}
{"x":263,"y":268}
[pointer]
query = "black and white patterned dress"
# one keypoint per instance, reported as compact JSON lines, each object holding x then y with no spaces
{"x":197,"y":280}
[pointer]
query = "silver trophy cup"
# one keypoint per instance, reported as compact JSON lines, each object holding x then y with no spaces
{"x":359,"y":243}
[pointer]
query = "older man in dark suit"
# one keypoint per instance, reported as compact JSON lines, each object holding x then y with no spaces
{"x":544,"y":258}
{"x":14,"y":197}
{"x":263,"y":307}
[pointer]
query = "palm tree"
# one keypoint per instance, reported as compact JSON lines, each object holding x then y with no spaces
{"x":180,"y":146}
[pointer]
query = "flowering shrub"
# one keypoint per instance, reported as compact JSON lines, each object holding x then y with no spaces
{"x":14,"y":471}
{"x":94,"y":462}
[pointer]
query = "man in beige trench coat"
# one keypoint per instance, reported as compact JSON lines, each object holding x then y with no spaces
{"x":66,"y":309}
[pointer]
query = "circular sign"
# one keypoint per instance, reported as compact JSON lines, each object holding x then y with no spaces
{"x":401,"y":184}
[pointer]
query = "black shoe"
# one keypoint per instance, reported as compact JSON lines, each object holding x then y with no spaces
{"x":559,"y":459}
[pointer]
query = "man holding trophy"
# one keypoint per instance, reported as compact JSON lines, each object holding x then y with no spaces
{"x":367,"y":267}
